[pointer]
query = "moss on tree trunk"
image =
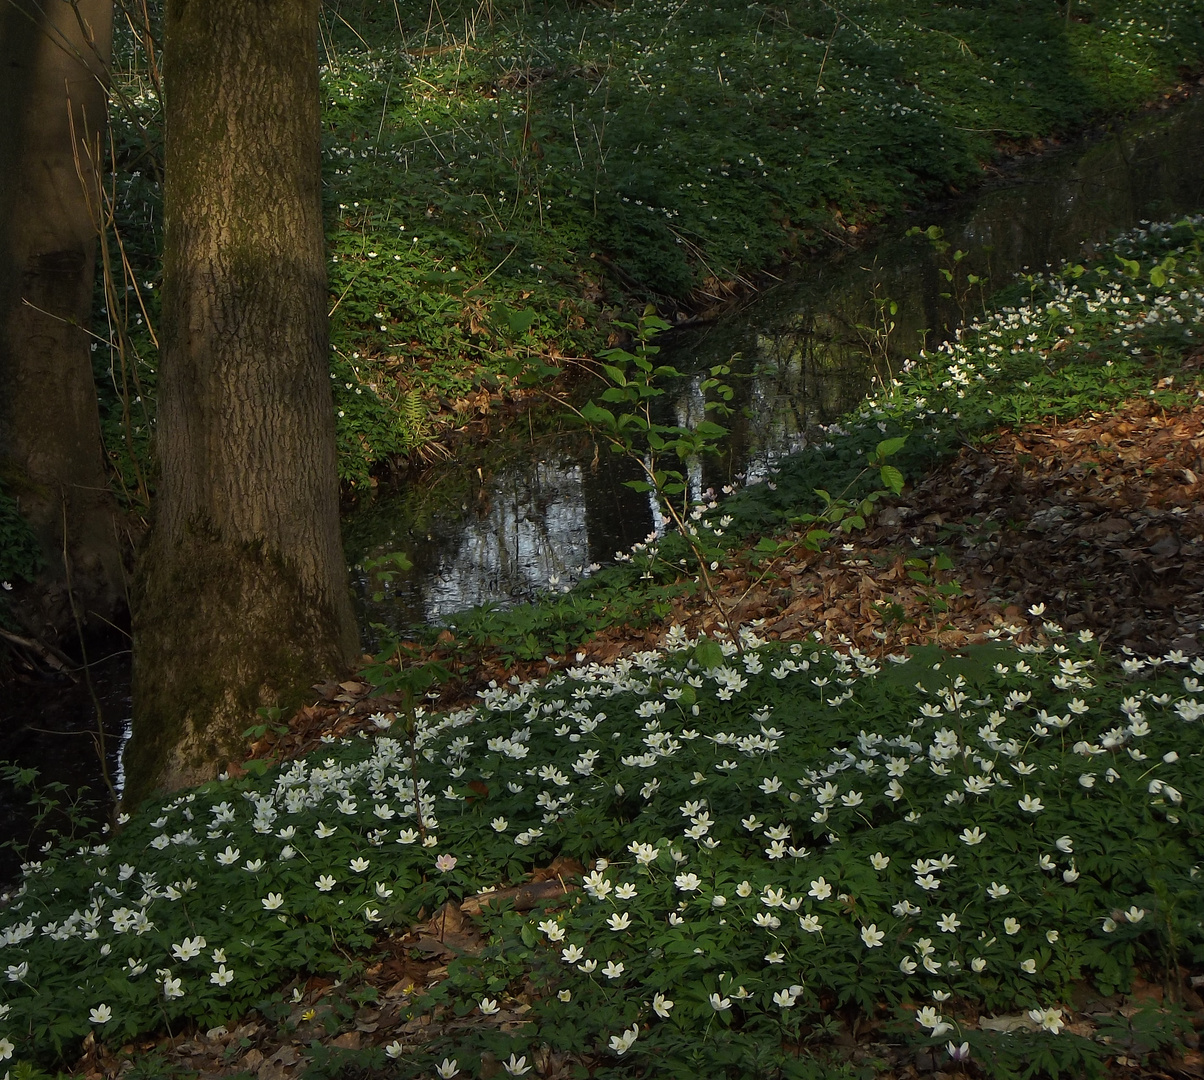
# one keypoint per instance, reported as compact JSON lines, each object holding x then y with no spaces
{"x":241,"y":597}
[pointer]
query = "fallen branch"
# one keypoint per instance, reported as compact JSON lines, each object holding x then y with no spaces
{"x":50,"y":656}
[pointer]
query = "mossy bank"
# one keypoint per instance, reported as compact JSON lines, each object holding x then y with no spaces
{"x":500,"y":179}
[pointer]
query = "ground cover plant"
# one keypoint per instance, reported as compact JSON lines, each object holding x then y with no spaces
{"x":501,"y":178}
{"x":796,"y":834}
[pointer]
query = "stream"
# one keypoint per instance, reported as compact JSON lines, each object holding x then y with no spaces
{"x":549,"y":505}
{"x":540,"y":502}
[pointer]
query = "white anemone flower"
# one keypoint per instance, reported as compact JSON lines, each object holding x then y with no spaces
{"x":1049,"y":1019}
{"x":620,"y":1044}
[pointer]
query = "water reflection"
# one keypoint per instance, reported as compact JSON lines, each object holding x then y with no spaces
{"x":530,"y":533}
{"x":530,"y":526}
{"x":812,"y":349}
{"x":806,"y":353}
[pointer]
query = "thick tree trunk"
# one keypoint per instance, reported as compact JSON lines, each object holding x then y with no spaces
{"x":241,"y":598}
{"x":53,"y":70}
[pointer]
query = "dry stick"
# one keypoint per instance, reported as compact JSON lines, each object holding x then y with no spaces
{"x":338,"y":16}
{"x":961,"y":44}
{"x":102,"y":71}
{"x":98,"y":737}
{"x":64,"y":319}
{"x":121,"y":393}
{"x":412,"y":739}
{"x":499,"y":265}
{"x":103,"y":213}
{"x":54,"y":659}
{"x":383,"y":110}
{"x":429,"y":137}
{"x":694,"y":250}
{"x":324,"y":32}
{"x":708,"y":586}
{"x":60,"y":39}
{"x":344,"y":293}
{"x":576,"y":143}
{"x":148,"y":46}
{"x":712,"y":593}
{"x":819,"y":78}
{"x":852,"y":22}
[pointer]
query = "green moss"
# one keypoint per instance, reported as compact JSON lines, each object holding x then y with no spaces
{"x":220,"y":630}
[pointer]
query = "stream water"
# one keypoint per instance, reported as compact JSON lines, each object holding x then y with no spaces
{"x":541,"y":501}
{"x":547,"y":506}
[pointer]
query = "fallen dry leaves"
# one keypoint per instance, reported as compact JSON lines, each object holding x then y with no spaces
{"x":1099,"y":520}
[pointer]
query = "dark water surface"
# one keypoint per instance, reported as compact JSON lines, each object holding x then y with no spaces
{"x":51,"y":724}
{"x":541,"y":501}
{"x":545,"y":507}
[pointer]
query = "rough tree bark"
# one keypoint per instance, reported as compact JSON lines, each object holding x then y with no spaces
{"x":241,"y":597}
{"x":54,"y":59}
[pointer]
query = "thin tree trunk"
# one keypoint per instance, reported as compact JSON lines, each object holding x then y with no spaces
{"x":54,"y":59}
{"x":241,"y":599}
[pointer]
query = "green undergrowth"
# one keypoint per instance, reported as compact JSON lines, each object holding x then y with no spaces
{"x":782,"y":844}
{"x":20,"y":557}
{"x":559,"y":622}
{"x":501,"y":178}
{"x":1055,"y":346}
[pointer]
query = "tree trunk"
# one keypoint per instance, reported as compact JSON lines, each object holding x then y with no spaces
{"x":53,"y":72}
{"x":241,"y":598}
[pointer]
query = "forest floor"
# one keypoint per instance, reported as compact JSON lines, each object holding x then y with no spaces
{"x":1104,"y":526}
{"x":1045,"y":539}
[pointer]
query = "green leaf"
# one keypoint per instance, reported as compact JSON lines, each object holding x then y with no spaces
{"x":597,"y":416}
{"x":708,"y":654}
{"x":892,"y":479}
{"x":887,"y":447}
{"x":520,"y":321}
